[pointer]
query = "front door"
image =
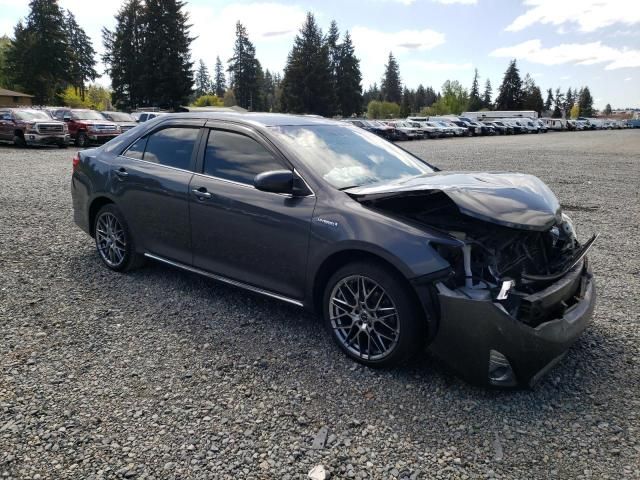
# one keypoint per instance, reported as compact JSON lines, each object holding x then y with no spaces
{"x":151,"y":183}
{"x":239,"y":232}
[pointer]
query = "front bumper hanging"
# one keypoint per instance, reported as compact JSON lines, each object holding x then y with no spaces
{"x":485,"y":345}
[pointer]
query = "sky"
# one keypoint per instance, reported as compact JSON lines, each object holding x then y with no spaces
{"x":561,"y":43}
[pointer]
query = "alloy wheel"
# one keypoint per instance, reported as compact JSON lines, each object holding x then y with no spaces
{"x":364,"y":318}
{"x":110,"y":239}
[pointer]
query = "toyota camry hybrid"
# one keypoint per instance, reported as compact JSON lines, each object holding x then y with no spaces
{"x":391,"y":251}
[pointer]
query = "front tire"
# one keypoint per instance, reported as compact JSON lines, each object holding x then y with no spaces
{"x":82,"y":140}
{"x":114,"y":241}
{"x":19,"y":141}
{"x":372,"y":316}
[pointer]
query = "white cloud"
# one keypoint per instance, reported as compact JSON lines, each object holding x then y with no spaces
{"x":573,"y":53}
{"x":373,"y":46}
{"x":444,"y":2}
{"x":428,"y":66}
{"x":369,"y":42}
{"x":565,"y":77}
{"x":628,"y":79}
{"x":216,"y":30}
{"x":589,"y":15}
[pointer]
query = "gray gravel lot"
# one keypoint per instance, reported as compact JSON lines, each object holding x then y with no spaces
{"x":163,"y":374}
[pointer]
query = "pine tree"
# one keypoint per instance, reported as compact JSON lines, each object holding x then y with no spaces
{"x":607,"y":109}
{"x":391,"y":86}
{"x":532,"y":96}
{"x":202,"y":80}
{"x":510,"y":92}
{"x":558,"y":111}
{"x":431,"y":97}
{"x":486,"y":96}
{"x":372,"y":93}
{"x":307,"y":85}
{"x":5,"y":43}
{"x":219,"y":80}
{"x":36,"y":59}
{"x":548,"y":103}
{"x":335,"y":51}
{"x":585,"y":102}
{"x":243,"y":70}
{"x":475,"y":102}
{"x":419,"y":99}
{"x":569,"y":100}
{"x":405,"y":105}
{"x":166,"y":54}
{"x":123,"y":51}
{"x":80,"y":54}
{"x":348,"y":79}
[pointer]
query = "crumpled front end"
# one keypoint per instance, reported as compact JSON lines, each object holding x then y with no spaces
{"x":517,"y":294}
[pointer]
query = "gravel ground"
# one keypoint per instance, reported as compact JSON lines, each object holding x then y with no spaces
{"x":163,"y":374}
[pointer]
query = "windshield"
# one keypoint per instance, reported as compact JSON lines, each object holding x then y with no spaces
{"x":118,"y":116}
{"x":31,"y":115}
{"x":86,"y":115}
{"x":347,"y":157}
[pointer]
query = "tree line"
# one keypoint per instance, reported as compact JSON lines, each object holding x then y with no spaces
{"x":148,"y":58}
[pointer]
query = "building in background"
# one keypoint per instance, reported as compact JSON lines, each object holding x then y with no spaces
{"x":9,"y":98}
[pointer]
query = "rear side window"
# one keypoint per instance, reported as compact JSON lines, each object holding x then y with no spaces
{"x":236,"y":157}
{"x":171,"y":147}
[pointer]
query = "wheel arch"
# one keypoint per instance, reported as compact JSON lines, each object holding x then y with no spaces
{"x":337,"y":259}
{"x":96,"y":204}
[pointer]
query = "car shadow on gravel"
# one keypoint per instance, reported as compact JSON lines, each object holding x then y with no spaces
{"x":214,"y":314}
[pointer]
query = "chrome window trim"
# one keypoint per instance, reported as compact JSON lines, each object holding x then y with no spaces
{"x":222,"y":279}
{"x":157,"y":164}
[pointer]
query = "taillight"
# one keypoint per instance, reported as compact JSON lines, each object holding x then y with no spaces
{"x":76,"y":161}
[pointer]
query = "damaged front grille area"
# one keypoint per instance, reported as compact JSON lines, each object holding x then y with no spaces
{"x":513,"y":267}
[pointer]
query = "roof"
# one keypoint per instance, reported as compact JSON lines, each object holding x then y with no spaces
{"x":10,"y":93}
{"x":257,"y":118}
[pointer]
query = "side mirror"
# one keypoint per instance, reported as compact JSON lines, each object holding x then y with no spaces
{"x":281,"y":181}
{"x":275,"y":181}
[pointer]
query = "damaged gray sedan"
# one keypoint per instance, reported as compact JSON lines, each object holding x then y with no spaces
{"x":393,"y":253}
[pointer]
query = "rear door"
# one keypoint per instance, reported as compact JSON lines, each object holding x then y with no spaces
{"x":239,"y":232}
{"x":151,"y":183}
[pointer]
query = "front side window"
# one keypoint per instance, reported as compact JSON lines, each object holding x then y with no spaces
{"x":171,"y":147}
{"x":236,"y":157}
{"x":349,"y":157}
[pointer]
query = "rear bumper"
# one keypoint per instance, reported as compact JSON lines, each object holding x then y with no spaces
{"x":471,"y":331}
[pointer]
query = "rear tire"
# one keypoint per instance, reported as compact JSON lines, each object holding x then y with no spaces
{"x":371,"y":315}
{"x":114,"y":242}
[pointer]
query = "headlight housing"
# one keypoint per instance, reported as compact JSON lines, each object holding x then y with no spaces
{"x":567,"y":226}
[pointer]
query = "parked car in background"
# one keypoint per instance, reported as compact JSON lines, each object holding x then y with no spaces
{"x":390,"y":251}
{"x":501,"y":128}
{"x":124,"y":120}
{"x":555,"y":124}
{"x":429,"y":131}
{"x":144,"y":116}
{"x":405,"y":130}
{"x":542,"y":126}
{"x":379,"y":128}
{"x":87,"y":126}
{"x":25,"y":126}
{"x":449,"y":126}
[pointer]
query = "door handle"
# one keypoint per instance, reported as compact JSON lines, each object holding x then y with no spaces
{"x":121,"y":172}
{"x":201,"y":193}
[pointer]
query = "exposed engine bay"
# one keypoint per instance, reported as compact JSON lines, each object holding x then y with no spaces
{"x":509,"y":266}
